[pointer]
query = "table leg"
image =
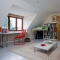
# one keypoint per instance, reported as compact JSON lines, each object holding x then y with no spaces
{"x":48,"y":52}
{"x":2,"y":42}
{"x":6,"y":39}
{"x":56,"y":45}
{"x":34,"y":49}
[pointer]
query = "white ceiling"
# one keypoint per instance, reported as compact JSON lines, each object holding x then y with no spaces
{"x":29,"y":7}
{"x":20,"y":11}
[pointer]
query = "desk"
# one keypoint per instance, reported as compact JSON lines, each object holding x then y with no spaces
{"x":40,"y":32}
{"x":6,"y":37}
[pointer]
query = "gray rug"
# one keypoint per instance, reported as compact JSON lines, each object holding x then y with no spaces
{"x":27,"y":51}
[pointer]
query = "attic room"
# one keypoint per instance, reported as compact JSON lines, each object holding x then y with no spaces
{"x":29,"y":30}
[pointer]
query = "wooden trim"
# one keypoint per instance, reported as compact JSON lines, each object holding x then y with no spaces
{"x":14,"y":15}
{"x":8,"y":23}
{"x":16,"y":24}
{"x":22,"y":24}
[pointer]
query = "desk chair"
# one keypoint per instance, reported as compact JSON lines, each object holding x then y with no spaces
{"x":21,"y":36}
{"x":0,"y":29}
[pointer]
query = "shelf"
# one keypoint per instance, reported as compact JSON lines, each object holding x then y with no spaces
{"x":45,"y":34}
{"x":51,"y":22}
{"x":52,"y":31}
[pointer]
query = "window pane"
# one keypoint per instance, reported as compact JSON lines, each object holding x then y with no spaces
{"x":12,"y":23}
{"x":6,"y":23}
{"x":19,"y":24}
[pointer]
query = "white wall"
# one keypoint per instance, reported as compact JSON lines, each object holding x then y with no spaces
{"x":5,"y":6}
{"x":30,"y":34}
{"x":49,"y":18}
{"x":38,"y":20}
{"x":28,"y":20}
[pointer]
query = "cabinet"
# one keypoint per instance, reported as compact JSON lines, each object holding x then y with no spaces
{"x":39,"y":35}
{"x":58,"y":28}
{"x":45,"y":34}
{"x":52,"y":31}
{"x":39,"y":32}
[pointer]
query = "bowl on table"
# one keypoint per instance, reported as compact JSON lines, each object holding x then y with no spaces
{"x":49,"y":42}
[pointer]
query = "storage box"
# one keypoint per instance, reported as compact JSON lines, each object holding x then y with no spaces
{"x":4,"y":30}
{"x":27,"y":39}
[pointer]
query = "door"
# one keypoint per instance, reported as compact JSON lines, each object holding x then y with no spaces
{"x":58,"y":28}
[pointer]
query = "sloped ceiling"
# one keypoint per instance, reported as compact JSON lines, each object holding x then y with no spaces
{"x":20,"y":11}
{"x":43,"y":8}
{"x":5,"y":6}
{"x":46,"y":5}
{"x":39,"y":19}
{"x":20,"y":7}
{"x":29,"y":7}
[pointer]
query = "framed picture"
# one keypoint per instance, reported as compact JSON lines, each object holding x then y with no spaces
{"x":54,"y":18}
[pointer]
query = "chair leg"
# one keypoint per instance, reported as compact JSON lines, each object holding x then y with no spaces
{"x":20,"y":43}
{"x":14,"y":41}
{"x":19,"y":40}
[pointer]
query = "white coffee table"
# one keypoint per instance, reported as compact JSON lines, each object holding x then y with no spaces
{"x":47,"y":47}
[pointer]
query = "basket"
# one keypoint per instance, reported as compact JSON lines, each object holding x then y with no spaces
{"x":27,"y":39}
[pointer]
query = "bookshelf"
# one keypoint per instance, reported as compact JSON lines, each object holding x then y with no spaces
{"x":52,"y":31}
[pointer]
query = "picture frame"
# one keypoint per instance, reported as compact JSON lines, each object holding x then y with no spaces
{"x":54,"y":18}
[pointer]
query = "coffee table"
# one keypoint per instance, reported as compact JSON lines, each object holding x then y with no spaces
{"x":47,"y":47}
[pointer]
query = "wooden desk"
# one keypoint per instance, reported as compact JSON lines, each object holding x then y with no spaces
{"x":6,"y":37}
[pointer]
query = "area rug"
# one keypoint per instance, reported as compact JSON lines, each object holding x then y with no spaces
{"x":27,"y":51}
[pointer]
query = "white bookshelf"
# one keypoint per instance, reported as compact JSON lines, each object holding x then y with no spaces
{"x":51,"y":33}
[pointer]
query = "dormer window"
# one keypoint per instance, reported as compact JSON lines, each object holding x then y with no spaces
{"x":14,"y":23}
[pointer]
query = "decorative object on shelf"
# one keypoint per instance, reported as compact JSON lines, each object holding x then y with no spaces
{"x":4,"y":30}
{"x":48,"y":42}
{"x":54,"y":18}
{"x":43,"y":44}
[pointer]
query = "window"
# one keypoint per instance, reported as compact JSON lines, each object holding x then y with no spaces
{"x":19,"y":24}
{"x":13,"y":23}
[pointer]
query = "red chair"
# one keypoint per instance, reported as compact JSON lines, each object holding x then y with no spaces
{"x":20,"y":37}
{"x":0,"y":29}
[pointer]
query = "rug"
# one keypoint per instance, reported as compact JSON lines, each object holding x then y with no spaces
{"x":27,"y":51}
